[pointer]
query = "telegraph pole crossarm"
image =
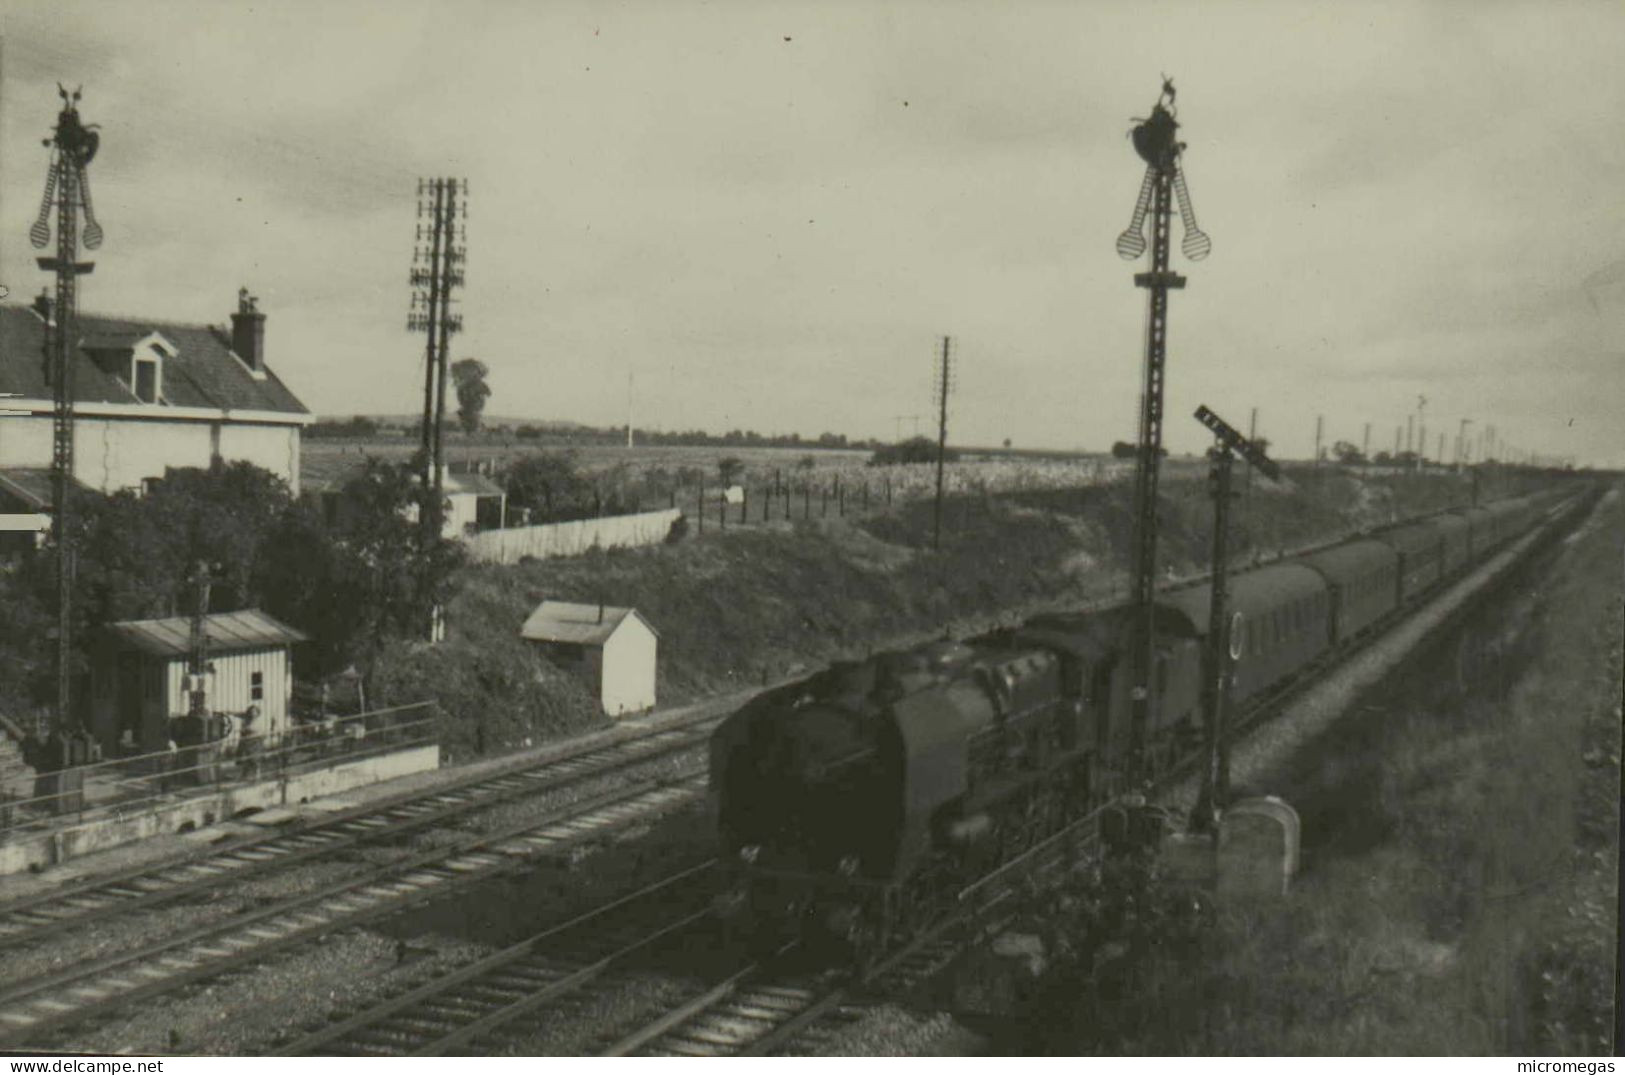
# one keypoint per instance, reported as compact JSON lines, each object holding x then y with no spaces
{"x":1221,"y":647}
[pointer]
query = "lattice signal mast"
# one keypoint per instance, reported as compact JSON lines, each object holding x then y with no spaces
{"x":67,"y":193}
{"x":1155,"y":142}
{"x":438,"y":255}
{"x":1223,"y":635}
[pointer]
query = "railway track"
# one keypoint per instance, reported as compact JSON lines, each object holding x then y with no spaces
{"x":458,"y":1008}
{"x":27,"y":921}
{"x":90,"y":990}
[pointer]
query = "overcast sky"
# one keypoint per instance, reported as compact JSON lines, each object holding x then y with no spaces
{"x":771,"y":212}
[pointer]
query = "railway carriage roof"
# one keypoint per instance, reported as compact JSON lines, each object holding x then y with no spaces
{"x":1252,"y":593}
{"x":1351,"y":561}
{"x":1411,"y":536}
{"x":1450,"y":521}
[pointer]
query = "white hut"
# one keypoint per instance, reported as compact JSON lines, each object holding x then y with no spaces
{"x":613,"y":649}
{"x":138,"y":675}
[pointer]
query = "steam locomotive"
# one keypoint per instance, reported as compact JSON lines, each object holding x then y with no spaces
{"x":854,"y":805}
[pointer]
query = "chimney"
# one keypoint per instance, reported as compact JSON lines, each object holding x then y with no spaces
{"x":248,"y":331}
{"x":42,"y":305}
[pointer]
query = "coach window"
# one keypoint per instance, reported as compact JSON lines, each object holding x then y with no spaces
{"x":256,"y":686}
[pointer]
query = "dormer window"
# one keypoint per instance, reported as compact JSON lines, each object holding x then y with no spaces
{"x":146,"y":379}
{"x":147,"y":370}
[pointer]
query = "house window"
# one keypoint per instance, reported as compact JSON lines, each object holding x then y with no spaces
{"x":146,"y":380}
{"x":256,"y":686}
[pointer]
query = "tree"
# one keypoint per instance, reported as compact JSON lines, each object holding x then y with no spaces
{"x":367,"y":578}
{"x":469,"y":376}
{"x":550,"y":487}
{"x":913,"y":450}
{"x":1348,"y":454}
{"x":729,"y":469}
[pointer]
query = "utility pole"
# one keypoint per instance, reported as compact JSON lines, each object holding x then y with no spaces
{"x":437,"y":269}
{"x":67,"y":191}
{"x":1222,"y":646}
{"x":1320,"y":426}
{"x":1252,"y":434}
{"x":1156,"y":142}
{"x":1365,"y":445}
{"x":1421,"y":431}
{"x":944,"y":385}
{"x":1410,"y":433}
{"x":629,"y":408}
{"x":1461,"y":442}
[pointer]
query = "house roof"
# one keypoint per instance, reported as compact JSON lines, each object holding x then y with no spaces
{"x":565,"y":621}
{"x":247,"y":629}
{"x":200,"y":371}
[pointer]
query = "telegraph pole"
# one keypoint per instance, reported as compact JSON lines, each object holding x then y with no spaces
{"x":1320,"y":427}
{"x":67,"y":191}
{"x":944,"y":385}
{"x":1252,"y":434}
{"x":1155,"y":142}
{"x":1365,"y":445}
{"x":437,"y":269}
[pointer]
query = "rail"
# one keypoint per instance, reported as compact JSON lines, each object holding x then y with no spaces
{"x":123,"y":788}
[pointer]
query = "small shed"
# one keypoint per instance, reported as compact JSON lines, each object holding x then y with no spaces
{"x":138,"y":676}
{"x":613,"y":649}
{"x":473,"y":503}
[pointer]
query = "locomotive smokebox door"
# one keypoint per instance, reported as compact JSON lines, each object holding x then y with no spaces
{"x":1258,"y":849}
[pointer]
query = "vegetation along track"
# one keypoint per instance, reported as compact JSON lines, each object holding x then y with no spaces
{"x":90,"y":990}
{"x":454,"y":1010}
{"x":26,"y":921}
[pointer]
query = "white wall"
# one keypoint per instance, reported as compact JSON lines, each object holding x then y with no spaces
{"x":572,"y":538}
{"x":229,"y":688}
{"x":117,"y":453}
{"x":629,"y":669}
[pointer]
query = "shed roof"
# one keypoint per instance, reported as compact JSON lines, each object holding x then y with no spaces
{"x":30,"y":485}
{"x":471,"y":482}
{"x":246,"y":629}
{"x":566,"y":621}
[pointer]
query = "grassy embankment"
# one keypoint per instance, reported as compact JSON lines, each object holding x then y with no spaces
{"x":735,"y":609}
{"x":1461,"y":856}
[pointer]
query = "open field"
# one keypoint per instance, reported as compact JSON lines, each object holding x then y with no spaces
{"x":664,"y":467}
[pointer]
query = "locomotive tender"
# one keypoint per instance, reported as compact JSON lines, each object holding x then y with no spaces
{"x":853,"y":806}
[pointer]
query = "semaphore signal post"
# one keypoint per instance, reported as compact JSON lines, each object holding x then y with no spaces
{"x":67,"y":194}
{"x":1155,"y":142}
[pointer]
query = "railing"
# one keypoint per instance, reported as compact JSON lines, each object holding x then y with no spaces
{"x":127,"y":787}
